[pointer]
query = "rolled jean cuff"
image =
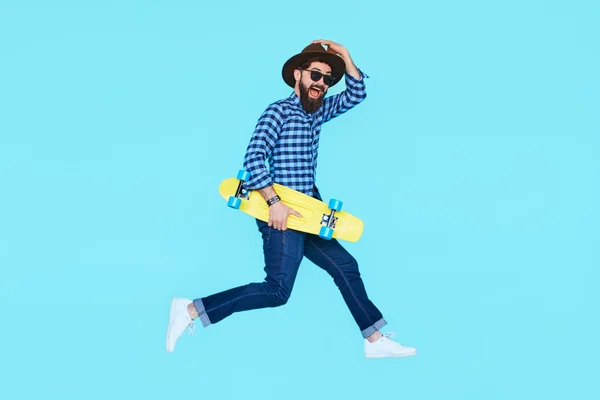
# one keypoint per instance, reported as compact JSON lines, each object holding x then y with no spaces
{"x":373,"y":328}
{"x":199,"y":305}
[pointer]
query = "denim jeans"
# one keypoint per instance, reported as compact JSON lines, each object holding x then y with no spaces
{"x":283,"y":253}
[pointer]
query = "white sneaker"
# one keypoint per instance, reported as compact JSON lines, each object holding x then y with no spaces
{"x":386,"y":347}
{"x":179,"y":320}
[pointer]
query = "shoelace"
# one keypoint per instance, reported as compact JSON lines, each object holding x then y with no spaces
{"x":191,"y":327}
{"x":389,"y":336}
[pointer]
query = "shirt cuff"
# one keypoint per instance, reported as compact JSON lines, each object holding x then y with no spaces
{"x":353,"y":79}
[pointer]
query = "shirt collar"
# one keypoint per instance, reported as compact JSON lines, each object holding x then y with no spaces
{"x":295,"y":99}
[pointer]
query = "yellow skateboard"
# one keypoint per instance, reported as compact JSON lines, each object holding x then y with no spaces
{"x":318,"y":218}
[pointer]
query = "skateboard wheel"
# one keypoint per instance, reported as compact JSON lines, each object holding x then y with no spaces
{"x":326,"y":233}
{"x":335,"y":205}
{"x":243,"y":175}
{"x":234,"y":202}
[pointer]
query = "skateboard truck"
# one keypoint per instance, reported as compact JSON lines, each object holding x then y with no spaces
{"x":236,"y":200}
{"x":329,"y":220}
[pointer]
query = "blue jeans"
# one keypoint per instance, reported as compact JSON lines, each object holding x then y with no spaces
{"x":283,"y":252}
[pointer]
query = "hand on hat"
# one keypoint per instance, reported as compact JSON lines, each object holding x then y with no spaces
{"x":333,"y":47}
{"x":336,"y":48}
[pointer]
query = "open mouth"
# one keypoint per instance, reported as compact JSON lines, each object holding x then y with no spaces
{"x":315,"y":92}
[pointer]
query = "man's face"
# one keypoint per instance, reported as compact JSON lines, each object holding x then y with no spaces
{"x":312,"y":92}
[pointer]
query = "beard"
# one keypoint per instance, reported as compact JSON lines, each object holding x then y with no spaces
{"x":310,"y":104}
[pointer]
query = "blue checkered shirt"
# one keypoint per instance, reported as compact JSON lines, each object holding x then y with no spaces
{"x":287,"y":138}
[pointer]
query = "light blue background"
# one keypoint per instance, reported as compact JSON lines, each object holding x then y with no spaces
{"x":473,"y":162}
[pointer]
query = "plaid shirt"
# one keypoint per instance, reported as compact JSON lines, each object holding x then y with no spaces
{"x":288,"y":139}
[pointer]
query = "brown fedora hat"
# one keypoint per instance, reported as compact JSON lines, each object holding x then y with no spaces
{"x":338,"y":66}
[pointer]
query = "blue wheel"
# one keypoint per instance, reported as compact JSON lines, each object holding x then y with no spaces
{"x":326,"y":233}
{"x":243,"y":175}
{"x":335,"y":205}
{"x":234,"y":202}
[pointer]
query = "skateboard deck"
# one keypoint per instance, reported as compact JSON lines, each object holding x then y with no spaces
{"x":317,"y":217}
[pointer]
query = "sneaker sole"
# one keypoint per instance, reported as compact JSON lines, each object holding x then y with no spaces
{"x":412,"y":353}
{"x":171,"y":313}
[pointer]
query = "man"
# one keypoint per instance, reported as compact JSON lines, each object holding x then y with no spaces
{"x":287,"y":137}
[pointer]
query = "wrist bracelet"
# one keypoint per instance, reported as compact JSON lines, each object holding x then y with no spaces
{"x":273,"y":200}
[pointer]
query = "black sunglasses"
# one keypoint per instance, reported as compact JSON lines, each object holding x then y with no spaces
{"x":316,"y":76}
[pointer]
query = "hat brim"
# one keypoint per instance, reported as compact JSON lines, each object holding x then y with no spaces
{"x":338,"y":66}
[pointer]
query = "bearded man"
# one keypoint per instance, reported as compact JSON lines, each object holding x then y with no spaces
{"x":287,"y":138}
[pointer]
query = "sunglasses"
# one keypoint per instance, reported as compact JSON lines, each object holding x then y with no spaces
{"x":317,"y":75}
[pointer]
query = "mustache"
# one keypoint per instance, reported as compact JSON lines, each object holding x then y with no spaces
{"x":321,"y":88}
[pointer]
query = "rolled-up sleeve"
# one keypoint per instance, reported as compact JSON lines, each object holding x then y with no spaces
{"x":261,"y":146}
